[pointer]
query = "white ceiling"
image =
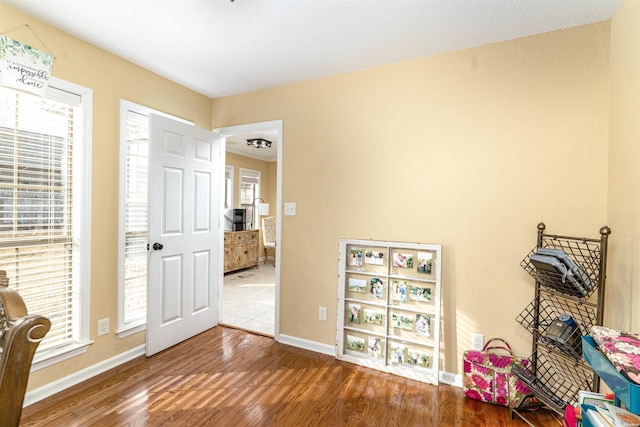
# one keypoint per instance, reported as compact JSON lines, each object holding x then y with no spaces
{"x":224,"y":47}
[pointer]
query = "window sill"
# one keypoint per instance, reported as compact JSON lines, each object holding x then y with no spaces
{"x":130,"y":330}
{"x":56,"y":355}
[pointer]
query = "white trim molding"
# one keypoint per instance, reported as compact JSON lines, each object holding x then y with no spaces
{"x":76,"y":378}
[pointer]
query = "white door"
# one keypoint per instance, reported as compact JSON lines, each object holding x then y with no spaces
{"x":184,"y":259}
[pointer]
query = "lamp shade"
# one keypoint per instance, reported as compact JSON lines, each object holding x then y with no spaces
{"x":263,"y":209}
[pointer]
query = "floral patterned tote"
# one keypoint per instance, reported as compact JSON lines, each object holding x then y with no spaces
{"x":488,"y":377}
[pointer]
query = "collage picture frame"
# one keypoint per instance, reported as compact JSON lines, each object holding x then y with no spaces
{"x":390,"y":292}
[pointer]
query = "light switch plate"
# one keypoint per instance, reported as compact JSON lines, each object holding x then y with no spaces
{"x":289,"y":208}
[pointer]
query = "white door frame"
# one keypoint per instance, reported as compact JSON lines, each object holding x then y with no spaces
{"x":251,"y":128}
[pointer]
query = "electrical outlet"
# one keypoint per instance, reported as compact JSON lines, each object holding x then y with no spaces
{"x":322,"y":313}
{"x":103,"y":327}
{"x":477,"y":341}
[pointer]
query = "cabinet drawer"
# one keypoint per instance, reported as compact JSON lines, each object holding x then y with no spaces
{"x":228,"y":241}
{"x":245,"y":237}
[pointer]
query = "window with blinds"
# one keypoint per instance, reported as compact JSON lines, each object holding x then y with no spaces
{"x":38,"y":137}
{"x":134,"y":190}
{"x":249,"y":192}
{"x":228,"y":187}
{"x":135,"y":218}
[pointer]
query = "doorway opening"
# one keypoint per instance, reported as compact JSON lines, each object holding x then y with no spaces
{"x":249,"y":297}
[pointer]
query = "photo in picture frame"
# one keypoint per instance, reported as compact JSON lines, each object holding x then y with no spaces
{"x":375,"y":317}
{"x":420,"y":293}
{"x":376,"y":287}
{"x":397,"y":353}
{"x":418,"y":357}
{"x":374,"y":347}
{"x":353,"y":313}
{"x":423,"y":325}
{"x":355,"y":343}
{"x":425,"y":262}
{"x":402,"y":260}
{"x":355,"y":257}
{"x":374,"y":257}
{"x":402,"y":321}
{"x":399,"y":290}
{"x":357,"y":285}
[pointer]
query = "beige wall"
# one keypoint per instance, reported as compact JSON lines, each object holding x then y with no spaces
{"x":623,"y":294}
{"x":111,"y":79}
{"x":469,"y":149}
{"x":267,"y":184}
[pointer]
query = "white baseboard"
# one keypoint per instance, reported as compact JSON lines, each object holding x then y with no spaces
{"x":307,"y":345}
{"x":50,"y":389}
{"x":450,"y":379}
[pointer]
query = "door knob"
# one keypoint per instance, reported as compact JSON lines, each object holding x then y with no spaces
{"x":157,"y":246}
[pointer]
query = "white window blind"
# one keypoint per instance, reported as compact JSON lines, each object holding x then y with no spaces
{"x":133,"y":225}
{"x":37,"y":137}
{"x":135,"y":217}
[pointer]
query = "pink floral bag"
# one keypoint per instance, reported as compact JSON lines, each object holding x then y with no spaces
{"x":488,"y":377}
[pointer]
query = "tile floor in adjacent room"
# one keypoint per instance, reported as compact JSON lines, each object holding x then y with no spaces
{"x":249,"y":299}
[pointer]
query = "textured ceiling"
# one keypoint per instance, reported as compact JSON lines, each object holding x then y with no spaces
{"x":223,"y":47}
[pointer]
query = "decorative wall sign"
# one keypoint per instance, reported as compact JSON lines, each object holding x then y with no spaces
{"x":24,"y":67}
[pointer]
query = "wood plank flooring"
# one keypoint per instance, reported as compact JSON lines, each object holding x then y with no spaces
{"x":228,"y":377}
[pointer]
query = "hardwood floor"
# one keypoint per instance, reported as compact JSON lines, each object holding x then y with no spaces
{"x":228,"y":377}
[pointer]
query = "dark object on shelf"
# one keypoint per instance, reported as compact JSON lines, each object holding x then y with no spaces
{"x":539,"y":315}
{"x":556,"y":270}
{"x":565,"y":333}
{"x":581,"y":278}
{"x":234,"y":219}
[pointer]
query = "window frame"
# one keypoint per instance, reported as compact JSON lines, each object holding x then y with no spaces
{"x":228,"y":177}
{"x":125,"y":329}
{"x":257,"y":175}
{"x":81,"y":230}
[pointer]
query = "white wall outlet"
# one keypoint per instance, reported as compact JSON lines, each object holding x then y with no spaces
{"x":322,"y":313}
{"x":103,"y":327}
{"x":477,"y":341}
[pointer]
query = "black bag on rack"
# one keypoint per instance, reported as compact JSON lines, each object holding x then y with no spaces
{"x":566,"y":276}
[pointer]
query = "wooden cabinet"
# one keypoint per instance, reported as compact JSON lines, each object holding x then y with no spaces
{"x":240,"y":249}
